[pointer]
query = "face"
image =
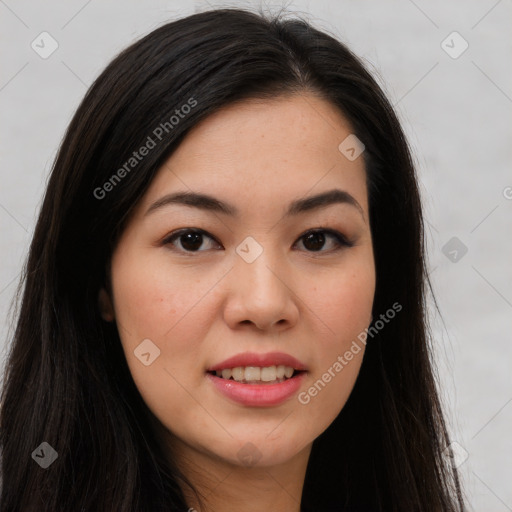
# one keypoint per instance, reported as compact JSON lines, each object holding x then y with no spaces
{"x":256,"y":269}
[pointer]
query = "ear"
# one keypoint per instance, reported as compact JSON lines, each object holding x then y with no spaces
{"x":105,"y":306}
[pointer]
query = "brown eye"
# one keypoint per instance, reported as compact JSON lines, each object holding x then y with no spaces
{"x":315,"y":240}
{"x":190,"y":240}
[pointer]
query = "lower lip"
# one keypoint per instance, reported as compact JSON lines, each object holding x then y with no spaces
{"x":257,"y":395}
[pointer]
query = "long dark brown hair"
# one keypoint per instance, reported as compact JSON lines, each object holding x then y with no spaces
{"x":66,"y":380}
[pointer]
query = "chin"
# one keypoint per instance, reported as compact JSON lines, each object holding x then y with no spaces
{"x":260,"y":452}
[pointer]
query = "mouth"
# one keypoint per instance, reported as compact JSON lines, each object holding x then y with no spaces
{"x":258,"y":380}
{"x":254,"y":386}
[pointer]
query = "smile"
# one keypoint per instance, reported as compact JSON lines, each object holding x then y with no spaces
{"x":257,"y":375}
{"x":256,"y":379}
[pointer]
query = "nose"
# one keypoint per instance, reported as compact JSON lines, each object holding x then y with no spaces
{"x":261,"y":293}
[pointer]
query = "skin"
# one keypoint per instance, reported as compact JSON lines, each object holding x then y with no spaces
{"x":202,"y":307}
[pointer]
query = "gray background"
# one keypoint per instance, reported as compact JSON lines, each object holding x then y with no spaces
{"x":456,"y":112}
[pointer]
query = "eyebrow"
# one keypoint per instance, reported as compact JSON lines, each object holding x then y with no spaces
{"x":209,"y":203}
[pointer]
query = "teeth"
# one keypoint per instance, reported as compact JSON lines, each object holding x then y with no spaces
{"x":268,"y":373}
{"x":252,"y":373}
{"x":255,"y":373}
{"x":238,"y":373}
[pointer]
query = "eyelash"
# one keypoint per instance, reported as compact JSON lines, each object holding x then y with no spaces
{"x":340,"y":239}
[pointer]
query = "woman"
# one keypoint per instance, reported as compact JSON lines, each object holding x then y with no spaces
{"x":224,"y":300}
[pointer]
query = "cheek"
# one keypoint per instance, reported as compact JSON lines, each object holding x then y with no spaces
{"x":342,"y":310}
{"x":170,"y":308}
{"x":154,"y":300}
{"x":342,"y":306}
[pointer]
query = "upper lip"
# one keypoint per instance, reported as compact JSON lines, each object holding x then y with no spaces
{"x":261,"y":360}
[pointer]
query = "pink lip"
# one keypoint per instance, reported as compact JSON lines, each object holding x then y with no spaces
{"x":257,"y":395}
{"x":261,"y":360}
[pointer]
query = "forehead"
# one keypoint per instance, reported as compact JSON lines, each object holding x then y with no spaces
{"x":264,"y":151}
{"x":290,"y":124}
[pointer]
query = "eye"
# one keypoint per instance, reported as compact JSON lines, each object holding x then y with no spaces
{"x":190,"y":239}
{"x":314,"y":240}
